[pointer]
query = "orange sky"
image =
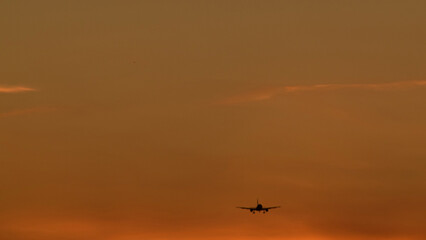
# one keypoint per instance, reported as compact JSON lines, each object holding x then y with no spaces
{"x":128,"y":120}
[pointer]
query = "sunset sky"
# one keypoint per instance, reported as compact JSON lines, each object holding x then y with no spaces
{"x":154,"y":119}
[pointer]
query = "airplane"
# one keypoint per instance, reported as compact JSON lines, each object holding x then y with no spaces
{"x":259,"y":208}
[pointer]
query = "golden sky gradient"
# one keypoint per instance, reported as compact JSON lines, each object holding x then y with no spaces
{"x":136,"y":120}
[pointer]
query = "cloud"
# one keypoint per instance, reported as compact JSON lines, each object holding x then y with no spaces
{"x":26,"y":111}
{"x":265,"y":94}
{"x":15,"y":89}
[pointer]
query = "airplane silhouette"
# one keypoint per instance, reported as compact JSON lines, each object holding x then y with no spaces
{"x":259,"y":208}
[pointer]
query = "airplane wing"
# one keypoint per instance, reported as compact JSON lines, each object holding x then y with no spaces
{"x":272,"y":207}
{"x":248,"y":208}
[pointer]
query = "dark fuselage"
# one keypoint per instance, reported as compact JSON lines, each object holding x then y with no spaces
{"x":259,"y":208}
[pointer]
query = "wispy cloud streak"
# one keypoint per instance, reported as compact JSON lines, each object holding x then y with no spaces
{"x":15,"y":89}
{"x":265,"y":94}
